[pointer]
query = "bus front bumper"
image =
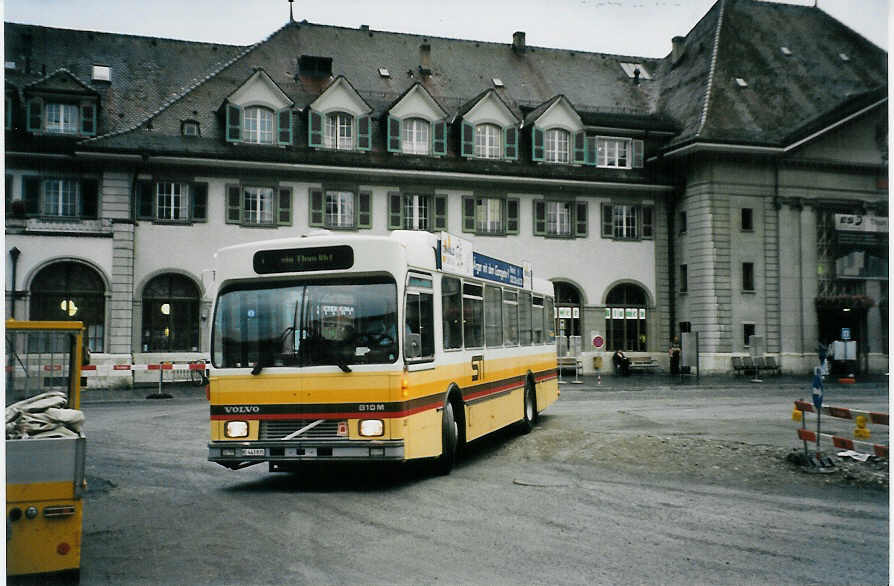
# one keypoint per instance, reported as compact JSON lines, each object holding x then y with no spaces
{"x":239,"y":454}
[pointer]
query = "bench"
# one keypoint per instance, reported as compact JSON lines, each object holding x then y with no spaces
{"x":564,"y":362}
{"x":643,"y":363}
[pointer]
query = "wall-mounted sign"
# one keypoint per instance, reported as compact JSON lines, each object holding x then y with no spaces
{"x":575,"y":312}
{"x":565,"y":312}
{"x":860,"y":223}
{"x":598,"y":341}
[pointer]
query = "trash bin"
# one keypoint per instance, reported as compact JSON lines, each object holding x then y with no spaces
{"x":597,"y":362}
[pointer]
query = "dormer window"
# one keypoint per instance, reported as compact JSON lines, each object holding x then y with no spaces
{"x":189,"y":128}
{"x":558,"y":146}
{"x":339,"y":131}
{"x":257,"y":125}
{"x":61,"y":117}
{"x":415,"y":139}
{"x":488,"y":141}
{"x":258,"y":112}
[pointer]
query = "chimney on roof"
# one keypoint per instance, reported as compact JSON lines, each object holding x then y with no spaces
{"x":518,"y":41}
{"x":425,"y":58}
{"x":364,"y":27}
{"x":677,"y":49}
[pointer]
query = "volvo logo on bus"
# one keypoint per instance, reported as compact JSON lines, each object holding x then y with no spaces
{"x":241,"y":409}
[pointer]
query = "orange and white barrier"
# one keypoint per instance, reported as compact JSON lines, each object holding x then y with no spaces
{"x":844,"y":443}
{"x":861,"y":417}
{"x":844,"y":412}
{"x":126,"y":369}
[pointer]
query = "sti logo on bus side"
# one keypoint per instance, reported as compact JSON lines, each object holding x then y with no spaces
{"x":242,"y":409}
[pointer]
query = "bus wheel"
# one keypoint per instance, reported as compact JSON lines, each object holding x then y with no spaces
{"x":530,"y":409}
{"x":449,"y":440}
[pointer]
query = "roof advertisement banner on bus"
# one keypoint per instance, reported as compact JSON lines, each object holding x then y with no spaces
{"x":458,"y":257}
{"x":497,"y":270}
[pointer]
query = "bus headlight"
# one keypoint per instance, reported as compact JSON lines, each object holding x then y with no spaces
{"x":236,"y":429}
{"x":372,"y":427}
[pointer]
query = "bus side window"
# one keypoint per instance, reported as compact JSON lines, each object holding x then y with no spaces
{"x":493,"y":322}
{"x":550,"y":320}
{"x":524,"y":318}
{"x":510,"y":318}
{"x":537,"y":320}
{"x":473,"y":315}
{"x":451,"y":313}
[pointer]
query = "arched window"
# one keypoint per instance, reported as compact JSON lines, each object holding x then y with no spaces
{"x":415,"y":139}
{"x":558,"y":146}
{"x":339,"y":131}
{"x":488,"y":141}
{"x":71,"y":291}
{"x":170,"y":314}
{"x":257,"y":125}
{"x":625,"y":318}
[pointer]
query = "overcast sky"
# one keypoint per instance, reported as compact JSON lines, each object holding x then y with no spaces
{"x":626,"y":27}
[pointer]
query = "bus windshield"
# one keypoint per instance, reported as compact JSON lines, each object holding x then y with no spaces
{"x":306,"y":323}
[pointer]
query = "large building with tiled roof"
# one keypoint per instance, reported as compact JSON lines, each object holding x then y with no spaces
{"x":736,"y":188}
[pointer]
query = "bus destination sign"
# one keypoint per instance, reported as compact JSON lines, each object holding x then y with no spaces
{"x":497,"y":270}
{"x":297,"y":260}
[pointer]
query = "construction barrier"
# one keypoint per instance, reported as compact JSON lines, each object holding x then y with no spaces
{"x":125,"y":369}
{"x":844,"y":443}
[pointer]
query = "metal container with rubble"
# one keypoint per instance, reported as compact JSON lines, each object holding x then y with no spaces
{"x":45,"y":447}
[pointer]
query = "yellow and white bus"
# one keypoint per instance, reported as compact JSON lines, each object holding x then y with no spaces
{"x":372,"y":348}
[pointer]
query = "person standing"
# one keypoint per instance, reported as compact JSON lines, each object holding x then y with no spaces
{"x":674,"y":353}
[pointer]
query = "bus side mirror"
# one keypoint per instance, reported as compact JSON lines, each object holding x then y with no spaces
{"x":413,"y":345}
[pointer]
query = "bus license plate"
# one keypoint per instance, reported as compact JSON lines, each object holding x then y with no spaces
{"x":252,"y":451}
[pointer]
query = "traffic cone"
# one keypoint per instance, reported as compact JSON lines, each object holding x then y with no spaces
{"x":861,"y":432}
{"x":797,"y":415}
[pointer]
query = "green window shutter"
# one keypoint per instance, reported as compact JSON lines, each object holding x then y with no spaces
{"x":468,"y":213}
{"x":539,"y":217}
{"x":395,"y":210}
{"x":234,"y":123}
{"x":512,"y":215}
{"x":440,"y":217}
{"x":314,"y":128}
{"x":439,"y":138}
{"x":315,"y":201}
{"x":393,"y":134}
{"x":608,"y":221}
{"x":580,"y":150}
{"x":580,"y":219}
{"x":89,"y":198}
{"x":144,"y":200}
{"x":234,"y":204}
{"x":284,"y":126}
{"x":536,"y":144}
{"x":88,"y":119}
{"x":638,"y":153}
{"x":590,"y":150}
{"x":199,"y":193}
{"x":35,"y":115}
{"x":364,"y":132}
{"x":468,"y":140}
{"x":364,"y":209}
{"x":284,"y":207}
{"x":510,"y":143}
{"x":31,"y":194}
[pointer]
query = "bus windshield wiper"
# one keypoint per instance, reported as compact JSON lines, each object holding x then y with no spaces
{"x":343,"y":366}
